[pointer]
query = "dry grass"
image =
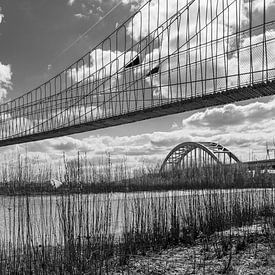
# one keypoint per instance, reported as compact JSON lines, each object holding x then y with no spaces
{"x":82,"y":233}
{"x":29,"y":176}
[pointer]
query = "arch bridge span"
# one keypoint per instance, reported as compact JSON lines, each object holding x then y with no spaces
{"x":197,"y":154}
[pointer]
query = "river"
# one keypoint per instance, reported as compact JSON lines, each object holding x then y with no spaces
{"x":46,"y":219}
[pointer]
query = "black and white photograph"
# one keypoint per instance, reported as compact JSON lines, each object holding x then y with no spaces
{"x":137,"y":137}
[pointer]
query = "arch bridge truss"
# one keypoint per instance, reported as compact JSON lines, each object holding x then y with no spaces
{"x":197,"y":154}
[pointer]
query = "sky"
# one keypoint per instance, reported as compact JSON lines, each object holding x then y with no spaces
{"x":37,"y":40}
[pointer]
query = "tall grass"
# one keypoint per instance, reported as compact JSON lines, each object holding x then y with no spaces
{"x":97,"y":234}
{"x":71,"y":232}
{"x":25,"y":175}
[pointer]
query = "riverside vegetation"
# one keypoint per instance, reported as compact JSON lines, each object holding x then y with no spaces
{"x":80,"y":175}
{"x":70,"y":231}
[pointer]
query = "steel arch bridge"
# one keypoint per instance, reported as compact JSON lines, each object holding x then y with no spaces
{"x":197,"y":154}
{"x":169,"y":56}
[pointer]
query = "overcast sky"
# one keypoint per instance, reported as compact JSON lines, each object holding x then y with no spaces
{"x":33,"y":36}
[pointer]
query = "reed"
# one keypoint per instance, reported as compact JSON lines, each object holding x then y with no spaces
{"x":72,"y":234}
{"x":28,"y":175}
{"x":225,"y":208}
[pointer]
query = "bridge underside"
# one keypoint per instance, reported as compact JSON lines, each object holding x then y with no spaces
{"x":198,"y":102}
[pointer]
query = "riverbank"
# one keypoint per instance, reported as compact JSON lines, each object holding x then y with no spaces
{"x":103,"y":234}
{"x":210,"y":178}
{"x":238,"y":251}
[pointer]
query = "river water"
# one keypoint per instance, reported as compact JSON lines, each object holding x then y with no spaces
{"x":48,"y":219}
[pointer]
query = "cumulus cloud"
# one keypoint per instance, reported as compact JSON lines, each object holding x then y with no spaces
{"x":103,"y":63}
{"x":5,"y":76}
{"x":126,"y":2}
{"x":259,"y":5}
{"x":231,"y":114}
{"x":64,"y":144}
{"x":80,"y":15}
{"x":184,"y":72}
{"x":237,"y":127}
{"x":97,"y":7}
{"x":187,"y":71}
{"x":241,"y":128}
{"x":71,"y":2}
{"x":1,"y":15}
{"x":105,"y":76}
{"x":75,"y":115}
{"x":5,"y":80}
{"x":5,"y":73}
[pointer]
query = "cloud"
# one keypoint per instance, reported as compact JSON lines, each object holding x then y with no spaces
{"x":75,"y":115}
{"x":103,"y":63}
{"x":259,"y":5}
{"x":80,"y":15}
{"x":251,"y":131}
{"x":175,"y":126}
{"x":13,"y":125}
{"x":5,"y":73}
{"x":235,"y":126}
{"x":232,"y":115}
{"x":1,"y":15}
{"x":67,"y":144}
{"x":240,"y":127}
{"x":188,"y":71}
{"x":99,"y":9}
{"x":134,"y":2}
{"x":71,"y":2}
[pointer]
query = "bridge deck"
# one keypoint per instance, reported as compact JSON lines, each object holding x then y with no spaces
{"x":209,"y":100}
{"x":262,"y":164}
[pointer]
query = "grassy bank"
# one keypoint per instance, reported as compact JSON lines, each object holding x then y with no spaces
{"x":73,"y":234}
{"x":74,"y":231}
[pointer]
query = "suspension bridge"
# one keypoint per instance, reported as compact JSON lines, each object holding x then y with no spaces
{"x":169,"y":56}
